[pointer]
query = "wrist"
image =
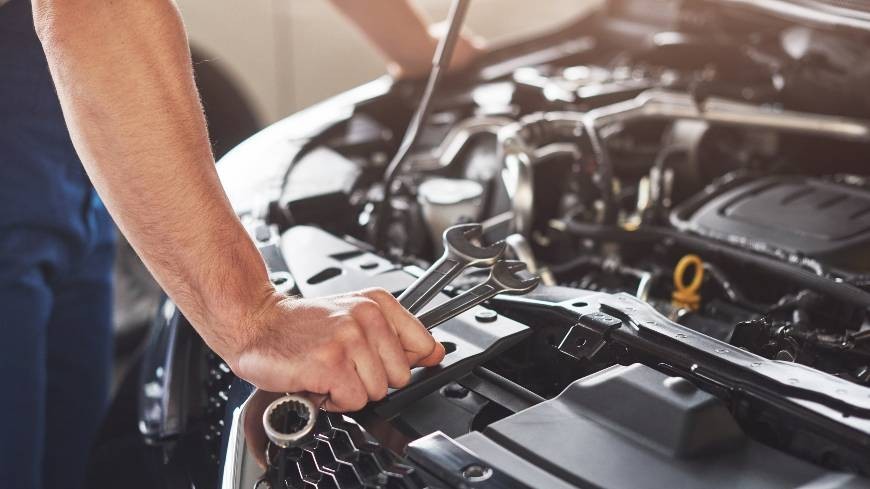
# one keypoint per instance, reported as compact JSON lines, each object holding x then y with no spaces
{"x":240,"y":325}
{"x":233,"y":294}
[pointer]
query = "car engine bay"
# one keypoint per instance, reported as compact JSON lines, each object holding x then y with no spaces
{"x":690,"y":182}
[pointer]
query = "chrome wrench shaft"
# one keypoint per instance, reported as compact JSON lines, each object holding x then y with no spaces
{"x":502,"y":279}
{"x":459,"y":253}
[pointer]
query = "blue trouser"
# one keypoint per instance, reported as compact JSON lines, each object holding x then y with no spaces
{"x":56,"y":252}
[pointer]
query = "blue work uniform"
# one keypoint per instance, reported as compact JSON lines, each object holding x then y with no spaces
{"x":56,"y":253}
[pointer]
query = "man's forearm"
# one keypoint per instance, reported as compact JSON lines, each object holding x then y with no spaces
{"x":124,"y":79}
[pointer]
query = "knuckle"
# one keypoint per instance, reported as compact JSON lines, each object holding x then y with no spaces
{"x":330,"y":356}
{"x":364,"y":306}
{"x":379,"y":293}
{"x":350,"y":334}
{"x":367,"y":312}
{"x":377,"y":327}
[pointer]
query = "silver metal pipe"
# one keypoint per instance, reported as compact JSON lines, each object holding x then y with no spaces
{"x":456,"y":139}
{"x":667,"y":104}
{"x":522,"y":249}
{"x":526,"y":141}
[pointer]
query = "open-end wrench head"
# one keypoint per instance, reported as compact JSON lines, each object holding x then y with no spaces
{"x":459,"y":241}
{"x":502,"y":278}
{"x":504,"y":273}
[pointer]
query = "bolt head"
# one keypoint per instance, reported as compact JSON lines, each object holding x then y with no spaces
{"x":455,"y":391}
{"x":486,"y":316}
{"x":476,"y":472}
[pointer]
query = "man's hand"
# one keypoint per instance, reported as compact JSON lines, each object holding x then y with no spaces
{"x":400,"y":32}
{"x":350,"y":347}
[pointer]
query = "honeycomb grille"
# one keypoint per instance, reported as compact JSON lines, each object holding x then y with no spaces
{"x":217,"y":384}
{"x":341,"y":455}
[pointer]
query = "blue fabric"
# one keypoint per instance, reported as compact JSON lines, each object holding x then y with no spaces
{"x":56,"y":253}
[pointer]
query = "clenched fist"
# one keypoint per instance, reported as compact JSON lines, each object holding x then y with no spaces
{"x":348,"y":347}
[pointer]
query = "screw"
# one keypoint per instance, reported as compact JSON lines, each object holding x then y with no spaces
{"x":455,"y":391}
{"x":262,"y":234}
{"x":486,"y":316}
{"x":280,"y":278}
{"x":477,"y":472}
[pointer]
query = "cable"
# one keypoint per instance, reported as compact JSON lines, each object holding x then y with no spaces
{"x":443,"y":54}
{"x":605,"y":169}
{"x":651,"y":234}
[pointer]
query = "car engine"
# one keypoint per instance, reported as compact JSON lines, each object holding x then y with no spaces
{"x":689,"y":181}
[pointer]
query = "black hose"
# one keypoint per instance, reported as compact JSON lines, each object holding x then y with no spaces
{"x":576,"y":262}
{"x":605,"y":170}
{"x":734,"y":294}
{"x":804,"y":278}
{"x":443,"y":54}
{"x":517,"y":390}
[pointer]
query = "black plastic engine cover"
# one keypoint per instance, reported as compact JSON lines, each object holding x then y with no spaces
{"x":807,"y":216}
{"x":318,"y":188}
{"x":634,"y":427}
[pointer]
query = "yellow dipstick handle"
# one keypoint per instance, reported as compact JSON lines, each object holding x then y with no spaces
{"x":687,"y":295}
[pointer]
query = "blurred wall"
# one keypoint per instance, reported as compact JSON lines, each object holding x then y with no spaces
{"x":289,"y":54}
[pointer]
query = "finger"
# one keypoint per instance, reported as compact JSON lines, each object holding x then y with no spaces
{"x":356,"y":349}
{"x":415,"y":339}
{"x":370,"y":369}
{"x":385,"y":343}
{"x":396,"y":363}
{"x":348,"y":393}
{"x":255,"y":434}
{"x":434,"y":358}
